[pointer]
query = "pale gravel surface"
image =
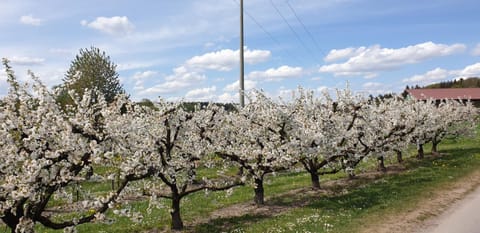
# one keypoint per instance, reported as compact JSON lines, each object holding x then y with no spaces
{"x":462,"y":217}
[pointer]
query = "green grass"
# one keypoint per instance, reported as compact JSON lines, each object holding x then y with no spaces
{"x":343,"y":209}
{"x":347,"y":211}
{"x":195,"y":206}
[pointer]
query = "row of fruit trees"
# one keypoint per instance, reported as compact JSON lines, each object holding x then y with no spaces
{"x":156,"y":152}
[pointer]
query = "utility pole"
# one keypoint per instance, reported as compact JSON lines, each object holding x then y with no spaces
{"x":242,"y":66}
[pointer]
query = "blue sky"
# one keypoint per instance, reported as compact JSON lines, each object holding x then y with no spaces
{"x":189,"y":48}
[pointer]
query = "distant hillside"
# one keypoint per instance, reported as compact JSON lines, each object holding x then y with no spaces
{"x":461,"y":83}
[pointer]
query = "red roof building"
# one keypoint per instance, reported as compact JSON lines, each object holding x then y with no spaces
{"x":472,"y":94}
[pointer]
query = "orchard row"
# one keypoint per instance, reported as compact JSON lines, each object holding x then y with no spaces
{"x":158,"y":150}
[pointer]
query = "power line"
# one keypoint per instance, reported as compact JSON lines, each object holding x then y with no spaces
{"x":306,"y":29}
{"x":294,"y":32}
{"x":268,"y":33}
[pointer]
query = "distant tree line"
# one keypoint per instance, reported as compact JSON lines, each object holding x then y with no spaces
{"x":460,"y":83}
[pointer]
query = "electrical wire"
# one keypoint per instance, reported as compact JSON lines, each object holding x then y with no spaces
{"x":306,"y":29}
{"x":294,"y":32}
{"x":268,"y":33}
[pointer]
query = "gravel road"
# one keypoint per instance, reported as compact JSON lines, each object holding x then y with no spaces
{"x":462,"y":217}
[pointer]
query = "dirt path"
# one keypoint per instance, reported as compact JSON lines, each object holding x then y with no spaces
{"x":462,"y":217}
{"x":424,"y":215}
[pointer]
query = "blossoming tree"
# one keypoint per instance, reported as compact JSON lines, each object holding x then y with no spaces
{"x":255,"y":138}
{"x":44,"y":151}
{"x":324,"y":131}
{"x":167,"y":144}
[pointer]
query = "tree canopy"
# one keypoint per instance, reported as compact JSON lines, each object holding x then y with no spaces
{"x":91,"y":69}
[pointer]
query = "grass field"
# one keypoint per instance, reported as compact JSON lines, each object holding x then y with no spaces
{"x":341,"y":205}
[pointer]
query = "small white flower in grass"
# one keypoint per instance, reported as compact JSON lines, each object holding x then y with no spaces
{"x":70,"y":230}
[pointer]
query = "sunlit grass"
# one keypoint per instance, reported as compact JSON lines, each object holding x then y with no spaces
{"x":347,"y":211}
{"x":342,"y":209}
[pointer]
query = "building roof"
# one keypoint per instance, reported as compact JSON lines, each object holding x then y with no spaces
{"x":445,"y":93}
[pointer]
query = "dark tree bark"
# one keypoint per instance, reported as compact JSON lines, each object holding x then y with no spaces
{"x":381,"y":164}
{"x":11,"y":221}
{"x":435,"y":146}
{"x":259,"y":192}
{"x":399,"y":156}
{"x":177,"y":223}
{"x":315,"y":179}
{"x":240,"y":171}
{"x":421,"y":153}
{"x":311,"y":165}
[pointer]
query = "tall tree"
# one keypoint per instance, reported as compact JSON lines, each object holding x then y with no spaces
{"x":91,"y":69}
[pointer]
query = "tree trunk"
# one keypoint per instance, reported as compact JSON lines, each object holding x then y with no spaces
{"x":315,"y":179}
{"x":259,"y":192}
{"x":420,"y":151}
{"x":435,"y":146}
{"x":177,"y":223}
{"x":11,"y":221}
{"x":351,"y":175}
{"x":381,"y":164}
{"x":399,"y":156}
{"x":240,"y":171}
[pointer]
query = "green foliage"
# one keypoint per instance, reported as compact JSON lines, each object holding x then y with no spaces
{"x":461,"y":83}
{"x":91,"y":69}
{"x":191,"y":106}
{"x":147,"y":103}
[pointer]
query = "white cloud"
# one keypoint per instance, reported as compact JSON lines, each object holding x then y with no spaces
{"x":248,"y":84}
{"x":372,"y":85}
{"x":202,"y":94}
{"x":226,"y":59}
{"x":374,"y":88}
{"x":431,"y":76}
{"x":439,"y":74}
{"x":338,"y":54}
{"x":181,"y":79}
{"x":279,"y":73}
{"x":117,"y":25}
{"x":26,"y":61}
{"x":369,"y":61}
{"x":144,"y":75}
{"x":476,"y":50}
{"x":255,"y":56}
{"x":322,"y":88}
{"x":191,"y":72}
{"x":30,"y":20}
{"x":140,"y":78}
{"x":228,"y":98}
{"x":469,"y":71}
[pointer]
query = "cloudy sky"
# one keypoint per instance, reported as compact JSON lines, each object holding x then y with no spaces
{"x":189,"y":48}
